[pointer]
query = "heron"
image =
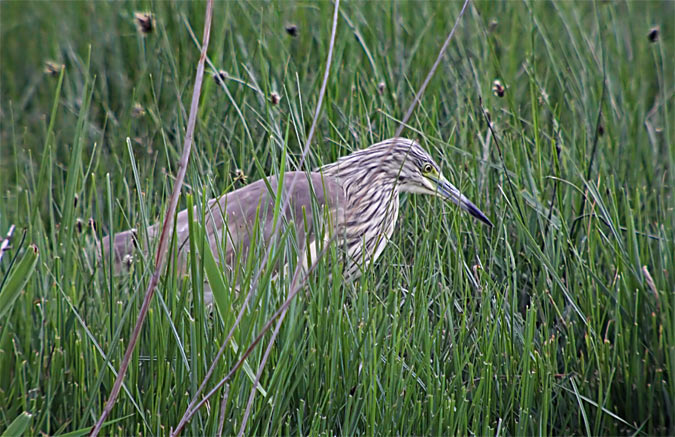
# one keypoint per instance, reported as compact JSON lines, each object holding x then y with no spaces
{"x":357,"y":196}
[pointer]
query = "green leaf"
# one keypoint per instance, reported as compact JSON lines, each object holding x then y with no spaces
{"x":19,"y":425}
{"x":220,"y":292}
{"x":18,"y":277}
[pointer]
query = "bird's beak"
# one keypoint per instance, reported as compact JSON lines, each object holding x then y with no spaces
{"x":446,"y":190}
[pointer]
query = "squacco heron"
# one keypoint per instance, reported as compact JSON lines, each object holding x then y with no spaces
{"x":360,"y":192}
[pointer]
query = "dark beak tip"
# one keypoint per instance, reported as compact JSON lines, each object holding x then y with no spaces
{"x":478,"y":214}
{"x":450,"y":192}
{"x":485,"y":221}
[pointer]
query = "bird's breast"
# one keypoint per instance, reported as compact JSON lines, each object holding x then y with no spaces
{"x":371,"y":222}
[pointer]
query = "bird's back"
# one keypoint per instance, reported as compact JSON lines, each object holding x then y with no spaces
{"x":230,"y":220}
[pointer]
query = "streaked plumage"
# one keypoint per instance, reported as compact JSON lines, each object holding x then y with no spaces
{"x":358,"y":195}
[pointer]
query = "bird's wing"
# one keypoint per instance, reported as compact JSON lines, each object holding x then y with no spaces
{"x":230,"y":220}
{"x":314,"y":202}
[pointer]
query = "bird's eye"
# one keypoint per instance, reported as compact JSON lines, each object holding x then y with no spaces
{"x":428,"y":168}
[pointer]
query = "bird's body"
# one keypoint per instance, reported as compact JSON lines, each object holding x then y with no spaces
{"x":357,"y":198}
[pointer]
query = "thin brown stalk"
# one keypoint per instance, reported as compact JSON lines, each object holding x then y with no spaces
{"x":419,"y":94}
{"x":223,"y":408}
{"x":167,"y":226}
{"x":195,"y":402}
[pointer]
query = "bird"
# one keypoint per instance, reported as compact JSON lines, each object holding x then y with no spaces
{"x":354,"y":200}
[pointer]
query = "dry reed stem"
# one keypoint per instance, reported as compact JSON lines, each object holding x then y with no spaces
{"x":167,"y":226}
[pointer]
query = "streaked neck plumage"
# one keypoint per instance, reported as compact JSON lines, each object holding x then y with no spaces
{"x":373,"y":196}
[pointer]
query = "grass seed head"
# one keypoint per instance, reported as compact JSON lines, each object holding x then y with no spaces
{"x":492,"y":25}
{"x":220,"y":77}
{"x":52,"y":68}
{"x":145,"y":22}
{"x":275,"y":98}
{"x":137,"y":110}
{"x":380,"y":88}
{"x":128,"y":261}
{"x":498,"y":88}
{"x":292,"y":30}
{"x":653,"y":34}
{"x":239,"y":176}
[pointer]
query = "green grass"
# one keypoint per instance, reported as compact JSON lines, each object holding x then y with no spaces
{"x":558,"y":332}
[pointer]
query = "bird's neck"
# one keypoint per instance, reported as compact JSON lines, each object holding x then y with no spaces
{"x":373,"y":198}
{"x":364,"y":186}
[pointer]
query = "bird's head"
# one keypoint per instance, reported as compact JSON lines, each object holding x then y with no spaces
{"x":415,"y":171}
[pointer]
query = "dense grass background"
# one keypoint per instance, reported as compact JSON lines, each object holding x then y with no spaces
{"x":558,"y":332}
